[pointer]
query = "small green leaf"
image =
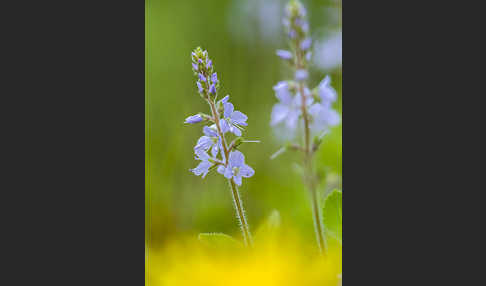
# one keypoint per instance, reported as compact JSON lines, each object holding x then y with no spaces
{"x":219,"y":240}
{"x":332,"y":214}
{"x":269,"y":227}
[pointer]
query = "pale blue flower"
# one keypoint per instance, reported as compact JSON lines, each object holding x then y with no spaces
{"x":308,"y":56}
{"x":323,"y":117}
{"x":302,"y":24}
{"x":223,"y":100}
{"x":214,"y":78}
{"x":210,"y":140}
{"x":329,"y":51}
{"x":233,"y":120}
{"x":301,"y":75}
{"x":194,"y":66}
{"x":282,"y":89}
{"x":194,"y":119}
{"x":289,"y":109}
{"x":326,"y":92}
{"x":210,"y":64}
{"x":203,"y":167}
{"x":212,"y":89}
{"x":302,"y":10}
{"x":306,"y":44}
{"x":202,"y":77}
{"x":199,"y":87}
{"x":236,"y":168}
{"x":283,"y":54}
{"x":292,"y":33}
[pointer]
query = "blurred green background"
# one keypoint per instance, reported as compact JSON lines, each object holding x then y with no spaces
{"x":241,"y":38}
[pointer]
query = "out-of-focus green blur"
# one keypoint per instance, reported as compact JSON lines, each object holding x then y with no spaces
{"x":241,"y":38}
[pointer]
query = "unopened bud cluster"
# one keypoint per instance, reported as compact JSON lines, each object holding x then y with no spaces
{"x":207,"y":82}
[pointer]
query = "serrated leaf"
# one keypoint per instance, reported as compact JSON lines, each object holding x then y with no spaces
{"x":269,"y":227}
{"x":219,"y":240}
{"x":332,"y":214}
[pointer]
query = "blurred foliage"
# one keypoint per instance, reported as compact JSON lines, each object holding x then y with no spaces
{"x":177,"y":202}
{"x":332,"y":215}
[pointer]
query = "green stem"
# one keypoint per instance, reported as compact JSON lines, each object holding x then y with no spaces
{"x":240,"y":211}
{"x":316,"y":214}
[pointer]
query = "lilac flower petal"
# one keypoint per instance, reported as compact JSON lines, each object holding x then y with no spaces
{"x":283,"y":54}
{"x":308,"y":56}
{"x":237,"y":179}
{"x":284,"y":97}
{"x":208,"y":131}
{"x":325,"y":81}
{"x":194,"y":66}
{"x":239,"y":118}
{"x":212,"y":89}
{"x":210,"y":64}
{"x":246,"y":171}
{"x":228,"y":173}
{"x":306,"y":44}
{"x":292,"y":34}
{"x":292,"y":119}
{"x":202,"y":155}
{"x":279,"y":112}
{"x":222,"y":152}
{"x":215,"y":150}
{"x":202,"y":77}
{"x":235,"y":130}
{"x":305,"y":27}
{"x":315,"y":109}
{"x":224,"y":99}
{"x":194,"y":119}
{"x":333,"y":117}
{"x":297,"y":100}
{"x":221,"y":169}
{"x":326,"y":91}
{"x":199,"y":87}
{"x":323,"y":117}
{"x":228,"y":109}
{"x":301,"y":75}
{"x":202,"y":168}
{"x":281,"y":85}
{"x":236,"y":159}
{"x":214,"y":78}
{"x":207,"y":165}
{"x":224,"y":126}
{"x":282,"y":92}
{"x":308,"y":98}
{"x":299,"y":22}
{"x":203,"y":144}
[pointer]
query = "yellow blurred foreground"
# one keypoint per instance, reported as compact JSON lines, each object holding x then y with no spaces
{"x":272,"y":261}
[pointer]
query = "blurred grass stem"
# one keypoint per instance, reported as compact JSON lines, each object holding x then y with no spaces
{"x":309,"y":178}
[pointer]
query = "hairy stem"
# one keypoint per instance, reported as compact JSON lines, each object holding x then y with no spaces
{"x":240,"y":211}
